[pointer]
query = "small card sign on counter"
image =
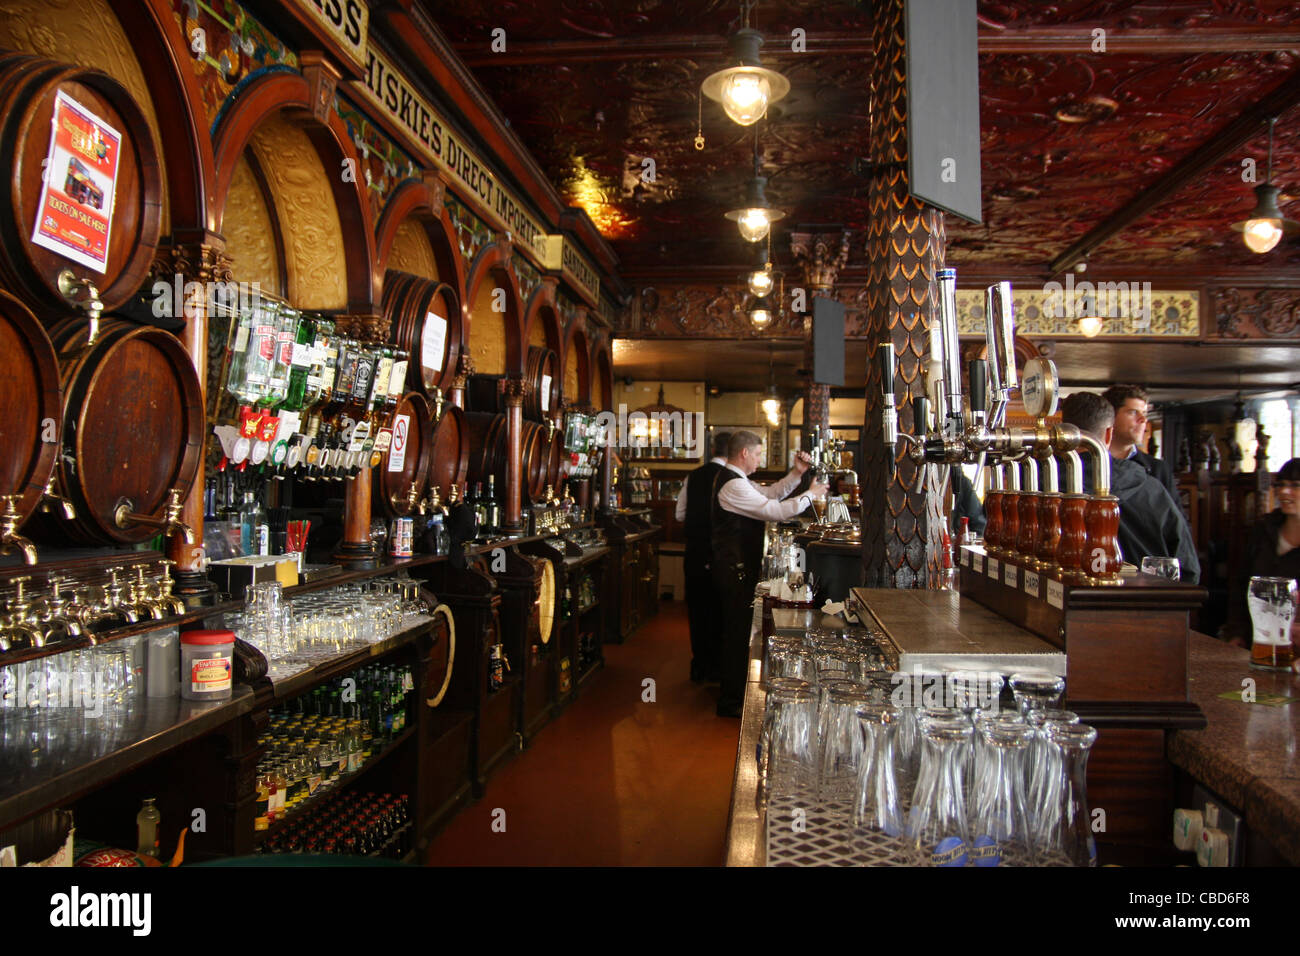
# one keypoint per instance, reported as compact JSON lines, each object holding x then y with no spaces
{"x":977,"y":563}
{"x":1031,"y":584}
{"x":995,"y":568}
{"x":1009,"y":576}
{"x":1055,"y":593}
{"x":965,"y":558}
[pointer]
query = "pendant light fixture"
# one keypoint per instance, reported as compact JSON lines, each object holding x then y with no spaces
{"x":771,"y":403}
{"x":760,"y":314}
{"x":756,"y":216}
{"x":762,"y":279}
{"x":747,"y":89}
{"x":1263,"y":229}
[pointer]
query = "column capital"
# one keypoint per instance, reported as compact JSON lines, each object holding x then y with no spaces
{"x":821,"y":256}
{"x":513,"y":389}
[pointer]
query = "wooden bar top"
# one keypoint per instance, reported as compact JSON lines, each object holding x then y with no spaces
{"x":1248,"y":753}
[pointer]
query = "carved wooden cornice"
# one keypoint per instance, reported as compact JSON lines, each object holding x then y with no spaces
{"x":1257,"y":313}
{"x":322,"y":78}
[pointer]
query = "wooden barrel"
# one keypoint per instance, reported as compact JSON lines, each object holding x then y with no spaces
{"x":28,"y":89}
{"x":132,"y":427}
{"x":489,"y":450}
{"x":542,"y":381}
{"x":30,"y":408}
{"x":407,"y":463}
{"x":442,"y":662}
{"x":449,"y":451}
{"x":426,"y":321}
{"x":555,"y":456}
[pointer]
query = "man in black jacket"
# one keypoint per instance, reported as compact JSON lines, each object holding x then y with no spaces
{"x":1130,"y":404}
{"x":1150,"y":522}
{"x":694,"y":510}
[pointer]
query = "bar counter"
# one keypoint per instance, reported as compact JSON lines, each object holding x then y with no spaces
{"x":1248,"y":753}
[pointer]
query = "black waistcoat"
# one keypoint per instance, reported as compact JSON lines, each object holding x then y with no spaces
{"x":737,"y":540}
{"x":699,"y":507}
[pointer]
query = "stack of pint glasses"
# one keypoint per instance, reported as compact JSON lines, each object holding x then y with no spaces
{"x":923,"y":768}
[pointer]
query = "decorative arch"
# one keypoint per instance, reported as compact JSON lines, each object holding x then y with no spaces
{"x":603,"y":378}
{"x":542,"y":309}
{"x":577,"y":345}
{"x":417,"y":200}
{"x":306,"y":104}
{"x":164,"y":57}
{"x":491,"y":270}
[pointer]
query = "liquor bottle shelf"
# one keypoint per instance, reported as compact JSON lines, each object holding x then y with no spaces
{"x":342,"y":782}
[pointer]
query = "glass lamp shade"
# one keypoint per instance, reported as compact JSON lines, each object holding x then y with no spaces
{"x":760,"y":317}
{"x":745,"y":95}
{"x":761,"y":282}
{"x":1090,"y":325}
{"x":1261,"y":235}
{"x":754,"y":225}
{"x":1264,"y":228}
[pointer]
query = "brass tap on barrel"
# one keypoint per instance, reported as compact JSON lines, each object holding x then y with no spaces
{"x":9,"y":536}
{"x":20,"y":627}
{"x":82,"y":294}
{"x":50,"y":501}
{"x":412,"y":499}
{"x":437,"y":403}
{"x":170,"y":523}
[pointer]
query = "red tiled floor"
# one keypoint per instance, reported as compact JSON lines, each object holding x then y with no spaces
{"x":615,"y":780}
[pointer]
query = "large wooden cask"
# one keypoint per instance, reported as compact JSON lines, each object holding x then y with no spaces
{"x":425,"y":320}
{"x":30,"y":410}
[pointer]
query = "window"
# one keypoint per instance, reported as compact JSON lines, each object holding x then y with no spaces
{"x":1276,"y":419}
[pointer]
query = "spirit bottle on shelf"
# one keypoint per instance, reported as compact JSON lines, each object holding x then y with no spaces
{"x":493,"y":507}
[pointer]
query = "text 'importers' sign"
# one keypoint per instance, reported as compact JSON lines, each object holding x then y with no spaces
{"x":389,"y":90}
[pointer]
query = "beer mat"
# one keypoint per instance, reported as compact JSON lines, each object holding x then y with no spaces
{"x":1268,"y":700}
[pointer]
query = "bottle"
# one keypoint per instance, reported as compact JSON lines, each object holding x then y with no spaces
{"x":493,"y":507}
{"x":277,"y":381}
{"x":254,"y":531}
{"x":479,"y":504}
{"x":146,"y":829}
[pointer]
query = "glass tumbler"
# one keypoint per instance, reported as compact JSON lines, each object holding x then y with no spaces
{"x":937,"y":829}
{"x":842,"y":738}
{"x":999,"y":819}
{"x":1070,"y":838}
{"x":778,"y":689}
{"x":790,"y":744}
{"x":1036,"y":690}
{"x":876,"y":806}
{"x":1161,"y":567}
{"x":1272,"y":603}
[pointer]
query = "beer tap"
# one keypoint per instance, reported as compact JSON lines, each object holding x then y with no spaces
{"x":411,"y":499}
{"x":170,"y":523}
{"x":21,"y":626}
{"x":144,"y":605}
{"x":113,"y":605}
{"x":51,"y":501}
{"x":58,"y":618}
{"x":169,"y":601}
{"x":73,"y":289}
{"x":438,"y":401}
{"x":9,"y":536}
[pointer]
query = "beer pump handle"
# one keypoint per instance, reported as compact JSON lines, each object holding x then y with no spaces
{"x":921,"y":415}
{"x":978,"y":386}
{"x":889,"y":414}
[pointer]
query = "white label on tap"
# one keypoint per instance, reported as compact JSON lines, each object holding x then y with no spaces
{"x":1055,"y":593}
{"x":433,"y":341}
{"x":1031,"y":584}
{"x":1009,"y":575}
{"x":995,"y":568}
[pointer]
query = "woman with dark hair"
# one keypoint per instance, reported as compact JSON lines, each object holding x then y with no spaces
{"x":1273,"y":549}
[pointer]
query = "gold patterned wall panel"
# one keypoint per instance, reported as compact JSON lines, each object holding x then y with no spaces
{"x":487,"y":333}
{"x":571,"y":374}
{"x":314,"y":255}
{"x":1130,"y":308}
{"x":249,"y":235}
{"x":537,"y":334}
{"x":412,"y":252}
{"x":84,"y":32}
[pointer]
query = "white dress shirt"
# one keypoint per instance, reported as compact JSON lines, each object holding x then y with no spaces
{"x":762,"y":502}
{"x":680,"y":512}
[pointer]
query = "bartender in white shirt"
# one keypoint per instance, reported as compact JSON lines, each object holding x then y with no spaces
{"x":695,"y":511}
{"x":741,"y":509}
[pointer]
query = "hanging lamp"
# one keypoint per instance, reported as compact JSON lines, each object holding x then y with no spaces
{"x":747,"y":89}
{"x":1263,"y":229}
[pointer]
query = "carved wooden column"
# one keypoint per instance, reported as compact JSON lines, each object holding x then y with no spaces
{"x":464,"y":369}
{"x":357,"y":552}
{"x":197,"y":257}
{"x":514,"y":392}
{"x":821,"y":256}
{"x":901,"y":527}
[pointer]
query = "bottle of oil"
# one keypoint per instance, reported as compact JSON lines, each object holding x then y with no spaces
{"x":146,"y":828}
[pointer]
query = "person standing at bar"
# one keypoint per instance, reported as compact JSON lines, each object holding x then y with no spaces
{"x":1150,"y":521}
{"x":740,"y":510}
{"x":1130,"y":404}
{"x":695,"y":511}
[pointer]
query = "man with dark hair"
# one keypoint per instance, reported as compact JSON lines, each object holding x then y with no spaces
{"x":1130,"y":404}
{"x":740,"y":510}
{"x":1150,"y":521}
{"x":695,"y":510}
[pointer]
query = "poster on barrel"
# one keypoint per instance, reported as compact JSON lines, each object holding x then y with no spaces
{"x":76,"y":207}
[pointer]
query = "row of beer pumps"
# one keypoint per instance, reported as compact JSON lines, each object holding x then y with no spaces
{"x":1068,"y":534}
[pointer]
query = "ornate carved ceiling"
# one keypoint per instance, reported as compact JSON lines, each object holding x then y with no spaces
{"x":1069,"y":136}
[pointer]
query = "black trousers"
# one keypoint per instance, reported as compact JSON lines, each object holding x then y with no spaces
{"x":735,"y":583}
{"x":705,"y":616}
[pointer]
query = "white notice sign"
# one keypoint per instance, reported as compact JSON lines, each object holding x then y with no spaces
{"x":965,"y":557}
{"x":1055,"y":593}
{"x":1031,"y":584}
{"x":546,"y":394}
{"x":995,"y":568}
{"x":1009,"y":575}
{"x":977,"y":563}
{"x":397,"y":453}
{"x":433,"y":342}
